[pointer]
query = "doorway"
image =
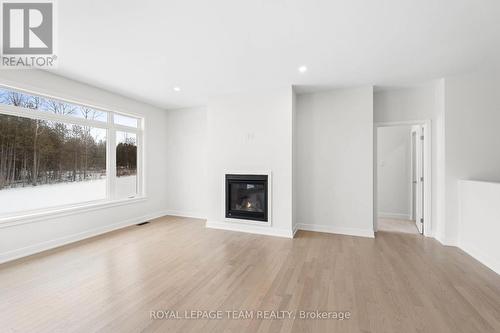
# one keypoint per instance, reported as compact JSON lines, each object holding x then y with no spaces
{"x":401,"y":170}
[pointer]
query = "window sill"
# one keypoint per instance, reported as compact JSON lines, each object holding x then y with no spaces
{"x":65,"y":211}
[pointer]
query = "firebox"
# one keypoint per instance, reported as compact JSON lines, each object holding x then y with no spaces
{"x":246,"y":197}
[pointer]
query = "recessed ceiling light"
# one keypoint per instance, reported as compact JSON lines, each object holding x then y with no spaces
{"x":177,"y":89}
{"x":302,"y":69}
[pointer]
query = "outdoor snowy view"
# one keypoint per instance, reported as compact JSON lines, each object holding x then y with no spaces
{"x":47,"y":163}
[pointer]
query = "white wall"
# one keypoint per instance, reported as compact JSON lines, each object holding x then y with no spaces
{"x":23,"y":239}
{"x":439,"y":165}
{"x":186,"y":144}
{"x":472,"y":136}
{"x":479,"y":216}
{"x":416,"y":103}
{"x":294,"y":161}
{"x":335,"y":161}
{"x":394,"y":172}
{"x":465,"y":113}
{"x":318,"y":146}
{"x":251,"y":132}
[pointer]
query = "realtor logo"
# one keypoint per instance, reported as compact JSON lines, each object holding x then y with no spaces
{"x":28,"y":34}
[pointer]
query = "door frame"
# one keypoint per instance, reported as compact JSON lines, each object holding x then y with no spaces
{"x":426,"y":124}
{"x":417,"y":167}
{"x":413,"y":172}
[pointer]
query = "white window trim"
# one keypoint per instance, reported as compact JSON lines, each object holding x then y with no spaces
{"x":65,"y":210}
{"x":36,"y":114}
{"x":111,"y":129}
{"x":76,"y":101}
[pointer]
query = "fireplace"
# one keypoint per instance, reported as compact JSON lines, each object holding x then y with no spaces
{"x":247,"y":197}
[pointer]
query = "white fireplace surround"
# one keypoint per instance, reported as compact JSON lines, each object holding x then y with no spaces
{"x":255,"y":227}
{"x":269,"y":197}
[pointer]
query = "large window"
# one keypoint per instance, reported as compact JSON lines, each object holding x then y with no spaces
{"x":126,"y":164}
{"x":55,"y":153}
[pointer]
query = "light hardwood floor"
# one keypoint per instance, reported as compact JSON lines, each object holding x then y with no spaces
{"x":393,"y":283}
{"x":397,"y":225}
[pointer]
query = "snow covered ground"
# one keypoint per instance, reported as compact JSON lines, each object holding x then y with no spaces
{"x":25,"y":199}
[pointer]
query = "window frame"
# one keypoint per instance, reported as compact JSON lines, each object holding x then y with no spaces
{"x":111,"y":128}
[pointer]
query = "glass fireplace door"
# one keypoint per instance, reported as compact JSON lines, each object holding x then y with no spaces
{"x":246,"y":197}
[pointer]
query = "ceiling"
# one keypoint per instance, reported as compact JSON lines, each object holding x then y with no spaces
{"x":143,"y":49}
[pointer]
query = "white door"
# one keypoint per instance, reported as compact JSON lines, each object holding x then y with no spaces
{"x":417,"y":135}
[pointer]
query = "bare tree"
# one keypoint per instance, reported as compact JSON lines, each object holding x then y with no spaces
{"x":35,"y":103}
{"x":16,"y":99}
{"x":92,"y":114}
{"x":36,"y":152}
{"x":61,"y":108}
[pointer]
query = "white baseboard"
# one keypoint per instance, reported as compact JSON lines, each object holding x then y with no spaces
{"x":253,"y":229}
{"x":444,"y":241}
{"x":482,"y":257}
{"x":336,"y":230}
{"x":53,"y":243}
{"x":288,"y":233}
{"x":185,"y":214}
{"x":439,"y":238}
{"x":397,"y":216}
